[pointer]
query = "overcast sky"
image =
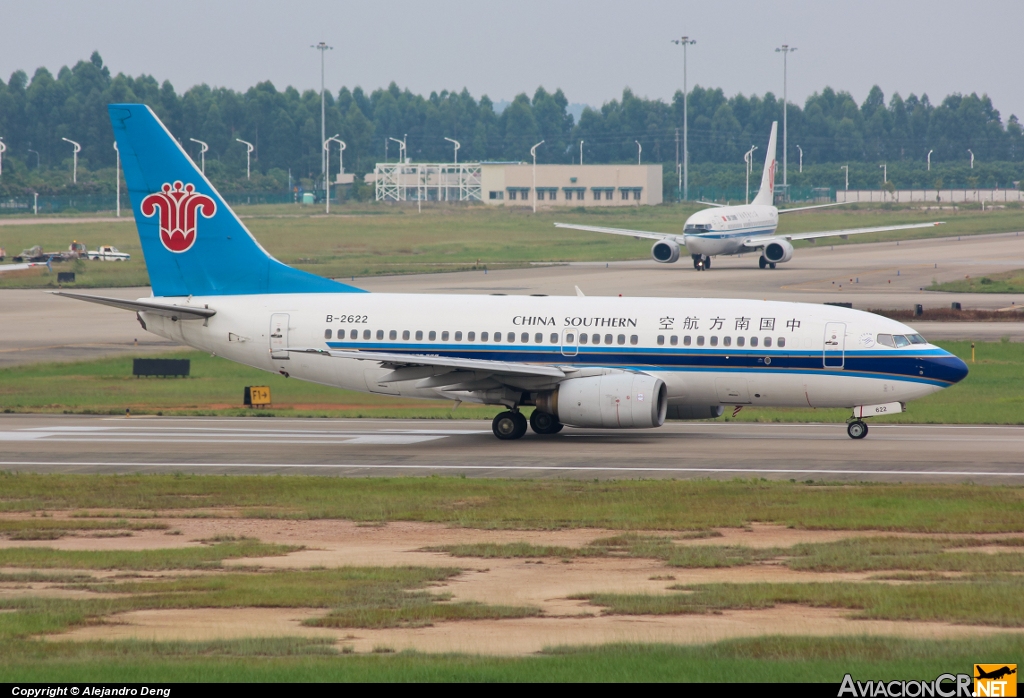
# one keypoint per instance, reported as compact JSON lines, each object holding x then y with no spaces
{"x":589,"y":49}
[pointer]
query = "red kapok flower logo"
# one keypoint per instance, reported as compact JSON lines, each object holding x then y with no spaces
{"x":178,"y":206}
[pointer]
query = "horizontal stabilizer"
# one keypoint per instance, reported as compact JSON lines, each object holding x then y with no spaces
{"x":165,"y":309}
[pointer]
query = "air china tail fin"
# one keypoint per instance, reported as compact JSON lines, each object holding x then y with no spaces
{"x":766,"y":194}
{"x":194,"y":244}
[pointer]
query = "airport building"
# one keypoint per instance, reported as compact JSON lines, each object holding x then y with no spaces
{"x":520,"y":184}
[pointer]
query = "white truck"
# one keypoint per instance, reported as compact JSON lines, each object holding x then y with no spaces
{"x":107,"y":253}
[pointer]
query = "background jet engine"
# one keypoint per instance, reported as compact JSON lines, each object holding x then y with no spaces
{"x":778,"y":251}
{"x":611,"y":401}
{"x":665,"y":251}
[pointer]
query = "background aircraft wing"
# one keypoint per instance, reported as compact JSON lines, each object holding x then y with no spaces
{"x":399,"y":362}
{"x":808,"y":208}
{"x":763,"y":240}
{"x":618,"y":231}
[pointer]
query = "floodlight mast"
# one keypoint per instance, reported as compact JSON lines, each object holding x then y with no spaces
{"x":785,"y":50}
{"x":581,"y":152}
{"x":801,"y":158}
{"x":401,"y":149}
{"x":117,"y":175}
{"x":533,"y":153}
{"x":327,"y":156}
{"x":930,"y":159}
{"x":322,"y":47}
{"x":202,"y":153}
{"x":248,"y":152}
{"x":684,"y":42}
{"x":457,"y":146}
{"x":639,"y":151}
{"x":972,"y":157}
{"x":847,"y":168}
{"x":74,"y":170}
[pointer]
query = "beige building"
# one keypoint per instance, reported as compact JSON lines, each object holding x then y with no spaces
{"x":504,"y":184}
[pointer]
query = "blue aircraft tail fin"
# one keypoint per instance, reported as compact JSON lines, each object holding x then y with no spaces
{"x":194,"y":244}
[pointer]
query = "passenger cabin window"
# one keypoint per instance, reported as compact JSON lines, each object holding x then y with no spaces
{"x":583,"y":339}
{"x":633,"y":339}
{"x":380,"y":334}
{"x":621,"y":339}
{"x":405,"y":334}
{"x":608,"y":339}
{"x":524,"y":338}
{"x":767,"y":341}
{"x":753,"y":341}
{"x":354,"y":334}
{"x":886,"y":340}
{"x":471,"y":336}
{"x":458,"y":336}
{"x":511,"y":337}
{"x":444,"y":336}
{"x":328,"y":333}
{"x":595,"y":339}
{"x":419,"y":335}
{"x":432,"y":336}
{"x":538,"y":338}
{"x":740,"y":341}
{"x":366,"y":334}
{"x":782,"y":342}
{"x":901,"y":341}
{"x":661,"y":340}
{"x":483,"y":336}
{"x":554,"y":338}
{"x":714,"y":340}
{"x":700,"y":340}
{"x":497,"y":336}
{"x":686,"y":340}
{"x":570,"y":338}
{"x":727,"y":341}
{"x":393,"y":334}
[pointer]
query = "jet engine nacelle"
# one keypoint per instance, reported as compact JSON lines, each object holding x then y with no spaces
{"x":611,"y":401}
{"x":665,"y":251}
{"x":778,"y":251}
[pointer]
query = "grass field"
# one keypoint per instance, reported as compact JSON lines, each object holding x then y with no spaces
{"x":993,"y":393}
{"x":769,"y":659}
{"x":1006,"y":282}
{"x":371,"y":239}
{"x":686,"y":505}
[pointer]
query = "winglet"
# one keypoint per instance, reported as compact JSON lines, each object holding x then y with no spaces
{"x":766,"y":194}
{"x":579,"y":292}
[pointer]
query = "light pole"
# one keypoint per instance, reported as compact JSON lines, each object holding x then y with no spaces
{"x":322,"y":47}
{"x":930,"y":160}
{"x":457,"y":146}
{"x":533,"y":153}
{"x":37,"y":156}
{"x":117,"y":175}
{"x":801,"y":158}
{"x":748,"y":158}
{"x":885,"y":172}
{"x":3,"y":147}
{"x":327,"y":160}
{"x":401,"y":149}
{"x":972,"y":157}
{"x":202,"y":153}
{"x":785,"y":50}
{"x":248,"y":152}
{"x":847,"y":168}
{"x":684,"y":42}
{"x":639,"y":151}
{"x":74,"y":170}
{"x":581,"y":152}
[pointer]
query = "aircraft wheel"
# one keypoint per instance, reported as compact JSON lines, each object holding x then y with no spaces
{"x":763,"y":262}
{"x":771,"y":265}
{"x":509,"y":426}
{"x":544,"y":423}
{"x":696,"y":261}
{"x":707,"y":262}
{"x":857,"y":429}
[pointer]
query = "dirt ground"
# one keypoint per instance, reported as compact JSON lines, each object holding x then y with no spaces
{"x":543,"y":582}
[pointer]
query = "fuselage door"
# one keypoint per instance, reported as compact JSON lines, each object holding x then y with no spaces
{"x":570,"y":342}
{"x":279,"y":336}
{"x":835,"y":345}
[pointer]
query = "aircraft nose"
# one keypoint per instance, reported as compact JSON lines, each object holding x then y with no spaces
{"x":948,"y":367}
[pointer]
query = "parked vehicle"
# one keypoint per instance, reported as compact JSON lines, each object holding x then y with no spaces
{"x":107,"y":253}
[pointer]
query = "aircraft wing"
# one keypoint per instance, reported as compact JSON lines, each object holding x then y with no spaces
{"x":620,"y":231}
{"x":808,"y":208}
{"x":401,"y":362}
{"x":176,"y":311}
{"x":765,"y":239}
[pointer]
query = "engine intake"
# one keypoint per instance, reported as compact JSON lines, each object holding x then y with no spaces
{"x":611,"y":401}
{"x":778,"y":251}
{"x":665,"y":251}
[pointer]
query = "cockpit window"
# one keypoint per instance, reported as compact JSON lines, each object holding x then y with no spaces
{"x":696,"y":228}
{"x":916,"y":339}
{"x":901,"y":341}
{"x":886,"y":340}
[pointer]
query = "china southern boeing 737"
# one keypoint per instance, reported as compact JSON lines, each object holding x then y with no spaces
{"x":728,"y":230}
{"x":603,"y":362}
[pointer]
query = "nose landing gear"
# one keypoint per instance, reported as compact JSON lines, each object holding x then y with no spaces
{"x":701,"y":262}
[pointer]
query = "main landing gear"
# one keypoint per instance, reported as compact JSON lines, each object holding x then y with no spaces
{"x":857,"y":429}
{"x":764,"y":263}
{"x":701,"y":262}
{"x":511,"y":425}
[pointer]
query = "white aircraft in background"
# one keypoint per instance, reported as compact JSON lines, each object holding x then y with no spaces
{"x":602,"y":362}
{"x":728,"y":230}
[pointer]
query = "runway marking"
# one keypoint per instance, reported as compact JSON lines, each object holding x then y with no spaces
{"x":557,"y":468}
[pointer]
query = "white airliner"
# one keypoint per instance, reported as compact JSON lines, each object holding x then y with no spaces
{"x":604,"y":362}
{"x":729,"y":230}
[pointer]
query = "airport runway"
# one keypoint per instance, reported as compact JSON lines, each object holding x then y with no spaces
{"x":821,"y":452}
{"x":38,"y":326}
